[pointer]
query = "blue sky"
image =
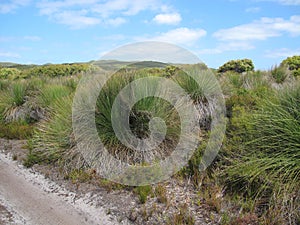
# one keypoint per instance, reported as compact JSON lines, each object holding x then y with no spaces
{"x":266,"y":31}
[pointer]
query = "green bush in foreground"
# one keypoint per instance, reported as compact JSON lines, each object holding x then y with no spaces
{"x":140,"y":115}
{"x":53,"y":140}
{"x":266,"y":162}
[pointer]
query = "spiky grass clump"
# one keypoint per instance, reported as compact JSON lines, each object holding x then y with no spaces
{"x":203,"y":88}
{"x":50,"y":93}
{"x":18,"y":93}
{"x":12,"y":101}
{"x":274,"y":133}
{"x":268,"y":165}
{"x":16,"y":111}
{"x":139,"y":118}
{"x":53,"y":140}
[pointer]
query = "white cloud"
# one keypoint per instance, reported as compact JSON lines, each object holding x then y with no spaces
{"x":49,"y":7}
{"x":282,"y":2}
{"x":225,"y":47}
{"x":9,"y":55}
{"x":12,"y":5}
{"x":75,"y":19}
{"x":282,"y":53}
{"x":81,"y":13}
{"x":181,"y":35}
{"x":288,"y":2}
{"x":253,"y":10}
{"x":236,"y":46}
{"x":125,"y":7}
{"x":168,"y":18}
{"x":261,"y":29}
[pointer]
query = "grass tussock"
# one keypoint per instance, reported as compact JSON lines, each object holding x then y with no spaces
{"x":266,"y":165}
{"x":140,"y":115}
{"x":53,"y":141}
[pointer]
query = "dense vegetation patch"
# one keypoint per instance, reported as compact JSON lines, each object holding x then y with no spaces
{"x":239,"y":66}
{"x":257,"y":170}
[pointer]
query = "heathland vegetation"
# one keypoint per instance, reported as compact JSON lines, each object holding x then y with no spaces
{"x":257,"y":170}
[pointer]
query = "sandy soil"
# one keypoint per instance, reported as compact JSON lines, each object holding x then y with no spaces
{"x":43,"y":195}
{"x":29,"y":198}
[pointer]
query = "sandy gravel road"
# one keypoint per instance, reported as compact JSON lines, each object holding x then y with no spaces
{"x":28,"y":198}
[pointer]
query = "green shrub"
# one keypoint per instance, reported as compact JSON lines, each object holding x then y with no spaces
{"x":239,"y":66}
{"x":9,"y":73}
{"x":293,"y":63}
{"x":265,"y":163}
{"x":56,"y":70}
{"x":171,"y":71}
{"x":296,"y":73}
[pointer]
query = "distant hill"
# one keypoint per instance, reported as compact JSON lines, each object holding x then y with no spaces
{"x":16,"y":65}
{"x":104,"y":64}
{"x":148,"y":64}
{"x":109,"y":64}
{"x":114,"y":64}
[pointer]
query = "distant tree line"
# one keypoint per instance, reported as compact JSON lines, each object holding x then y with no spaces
{"x":51,"y":70}
{"x":16,"y":71}
{"x":245,"y":65}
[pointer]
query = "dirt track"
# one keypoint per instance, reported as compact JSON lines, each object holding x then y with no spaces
{"x":27,"y":198}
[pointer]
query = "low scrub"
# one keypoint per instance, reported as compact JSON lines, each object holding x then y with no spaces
{"x":16,"y":130}
{"x":266,"y":164}
{"x":238,"y":66}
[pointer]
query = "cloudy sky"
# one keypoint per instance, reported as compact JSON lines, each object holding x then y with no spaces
{"x":45,"y":31}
